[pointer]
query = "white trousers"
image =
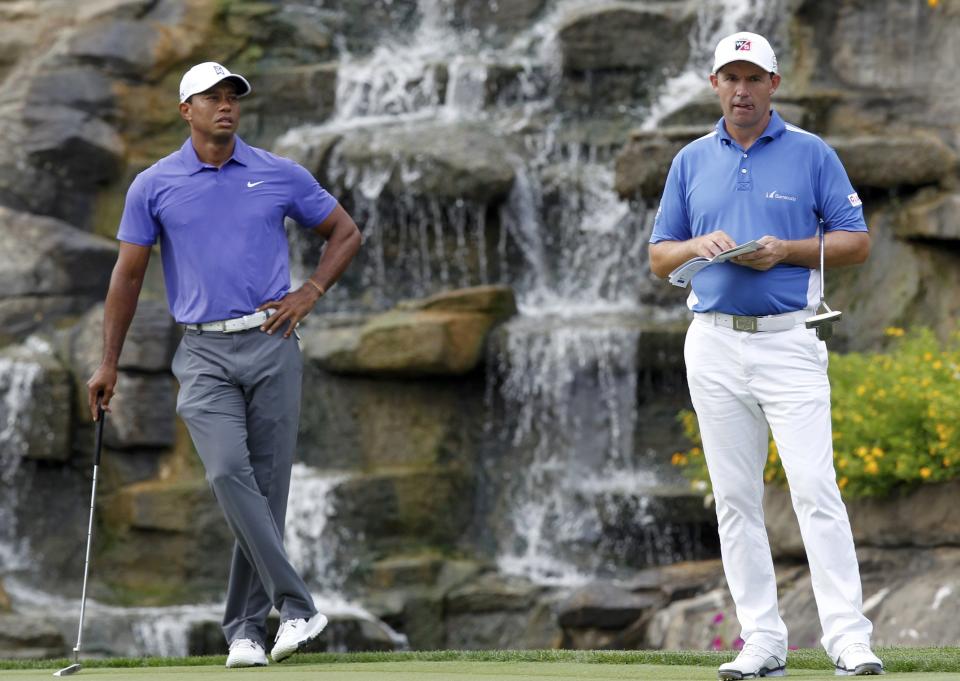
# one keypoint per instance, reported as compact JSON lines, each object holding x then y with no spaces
{"x":739,"y":383}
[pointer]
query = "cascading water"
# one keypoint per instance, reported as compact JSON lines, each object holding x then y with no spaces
{"x":563,"y":466}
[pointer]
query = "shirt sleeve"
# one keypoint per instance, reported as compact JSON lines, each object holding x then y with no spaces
{"x":310,"y":204}
{"x":840,"y":206}
{"x":672,"y":222}
{"x":138,"y":225}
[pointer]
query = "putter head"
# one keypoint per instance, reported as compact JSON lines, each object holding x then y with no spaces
{"x":67,"y":671}
{"x":823,"y":323}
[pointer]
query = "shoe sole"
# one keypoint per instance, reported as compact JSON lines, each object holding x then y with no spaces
{"x":245,"y":665}
{"x":868,"y":669}
{"x":304,"y":642}
{"x":737,"y":676}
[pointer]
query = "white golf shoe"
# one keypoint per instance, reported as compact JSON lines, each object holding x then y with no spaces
{"x":245,"y":652}
{"x":295,"y":634}
{"x":858,"y":660}
{"x":752,"y":663}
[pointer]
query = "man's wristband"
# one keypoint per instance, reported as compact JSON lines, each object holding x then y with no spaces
{"x":316,"y":286}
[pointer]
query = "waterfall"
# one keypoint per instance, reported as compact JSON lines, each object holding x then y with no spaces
{"x":17,"y":379}
{"x":564,"y":463}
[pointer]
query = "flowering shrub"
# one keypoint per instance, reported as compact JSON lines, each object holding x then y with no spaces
{"x":896,"y":418}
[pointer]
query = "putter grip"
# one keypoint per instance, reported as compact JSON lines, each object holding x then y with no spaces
{"x":100,"y":417}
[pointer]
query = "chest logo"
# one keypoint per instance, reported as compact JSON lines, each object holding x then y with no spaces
{"x":250,"y":185}
{"x":782,"y":197}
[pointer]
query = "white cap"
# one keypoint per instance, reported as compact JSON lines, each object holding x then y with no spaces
{"x":204,"y":76}
{"x":745,"y":46}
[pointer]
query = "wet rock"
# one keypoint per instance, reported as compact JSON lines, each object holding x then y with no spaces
{"x":405,"y":508}
{"x":47,"y":269}
{"x":169,"y":506}
{"x":492,"y":592}
{"x":82,"y":149}
{"x":919,"y":518}
{"x":497,"y":20}
{"x":602,"y":605}
{"x":119,"y":468}
{"x":142,"y":412}
{"x":122,"y":47}
{"x":441,"y":160}
{"x":931,"y":216}
{"x":888,"y":161}
{"x":289,"y":96}
{"x":24,"y":636}
{"x":441,"y":335}
{"x":36,"y":415}
{"x":694,"y":623}
{"x":148,"y":347}
{"x":308,"y":146}
{"x":643,"y":164}
{"x":82,"y":88}
{"x":616,"y":52}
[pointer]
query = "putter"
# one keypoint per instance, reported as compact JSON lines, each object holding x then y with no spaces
{"x":76,"y":666}
{"x":824,"y":321}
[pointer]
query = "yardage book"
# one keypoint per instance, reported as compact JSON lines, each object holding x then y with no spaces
{"x":682,"y":275}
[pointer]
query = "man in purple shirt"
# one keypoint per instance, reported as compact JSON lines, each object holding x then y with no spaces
{"x":217,"y":206}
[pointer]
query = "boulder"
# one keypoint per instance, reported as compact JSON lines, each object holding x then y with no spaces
{"x":289,"y":96}
{"x":933,"y":216}
{"x":890,"y":161}
{"x":148,"y":347}
{"x":25,"y":636}
{"x":441,"y":335}
{"x":642,"y":165}
{"x":142,"y":412}
{"x":82,"y":88}
{"x":160,"y":505}
{"x":446,"y":161}
{"x":309,"y":146}
{"x":615,"y":53}
{"x":492,"y":592}
{"x":43,"y":259}
{"x":495,"y":20}
{"x":85,"y":151}
{"x":35,"y":415}
{"x":603,"y":605}
{"x":121,"y":47}
{"x":920,"y":517}
{"x":404,"y":509}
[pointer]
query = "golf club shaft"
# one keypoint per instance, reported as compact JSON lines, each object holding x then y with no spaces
{"x":93,"y":500}
{"x":823,"y":293}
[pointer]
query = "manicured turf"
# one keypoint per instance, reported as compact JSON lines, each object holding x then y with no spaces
{"x":937,"y":664}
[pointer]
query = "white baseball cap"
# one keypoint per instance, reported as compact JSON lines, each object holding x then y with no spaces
{"x":744,"y":46}
{"x":204,"y":76}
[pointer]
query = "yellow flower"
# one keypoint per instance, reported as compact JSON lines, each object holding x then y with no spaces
{"x":843,"y":482}
{"x":861,"y":389}
{"x":842,"y":463}
{"x":946,"y":462}
{"x":927,"y":356}
{"x":678,"y":459}
{"x":938,"y":364}
{"x":896,"y":331}
{"x":880,"y":394}
{"x":925,"y":472}
{"x":861,"y":451}
{"x":772,"y":458}
{"x":877,"y":452}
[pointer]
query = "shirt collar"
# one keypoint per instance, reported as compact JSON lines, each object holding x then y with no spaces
{"x":775,"y":128}
{"x":193,"y":164}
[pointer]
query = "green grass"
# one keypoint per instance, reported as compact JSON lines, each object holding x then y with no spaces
{"x":503,"y":664}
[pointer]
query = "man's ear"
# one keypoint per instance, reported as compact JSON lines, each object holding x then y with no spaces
{"x":185,"y":112}
{"x":714,"y":81}
{"x":774,"y":82}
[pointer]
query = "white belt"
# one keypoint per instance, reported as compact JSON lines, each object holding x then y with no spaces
{"x":234,"y":325}
{"x":774,"y":322}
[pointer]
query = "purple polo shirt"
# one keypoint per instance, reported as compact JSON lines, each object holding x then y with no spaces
{"x":222,"y":240}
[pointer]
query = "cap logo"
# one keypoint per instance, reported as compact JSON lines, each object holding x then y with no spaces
{"x":741,"y":45}
{"x":217,"y":69}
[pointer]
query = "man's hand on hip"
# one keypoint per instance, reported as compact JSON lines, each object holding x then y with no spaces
{"x":771,"y":252}
{"x":289,"y":310}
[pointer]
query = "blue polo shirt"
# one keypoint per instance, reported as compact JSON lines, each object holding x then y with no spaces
{"x":222,"y":239}
{"x":784,"y":185}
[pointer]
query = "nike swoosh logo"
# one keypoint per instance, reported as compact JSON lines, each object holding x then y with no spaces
{"x":254,"y":184}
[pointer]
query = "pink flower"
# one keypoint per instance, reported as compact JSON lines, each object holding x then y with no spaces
{"x":718,"y":618}
{"x":717,"y":644}
{"x":737,"y":644}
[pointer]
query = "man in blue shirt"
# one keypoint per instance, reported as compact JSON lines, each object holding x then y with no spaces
{"x":751,"y":363}
{"x":217,"y":206}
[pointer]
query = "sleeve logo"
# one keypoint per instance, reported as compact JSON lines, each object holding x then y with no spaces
{"x":854,"y":200}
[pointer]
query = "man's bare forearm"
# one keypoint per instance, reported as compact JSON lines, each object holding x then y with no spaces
{"x":343,"y":244}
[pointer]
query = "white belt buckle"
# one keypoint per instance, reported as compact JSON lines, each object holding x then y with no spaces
{"x":748,"y":324}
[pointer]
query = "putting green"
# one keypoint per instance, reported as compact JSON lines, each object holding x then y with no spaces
{"x":438,"y":671}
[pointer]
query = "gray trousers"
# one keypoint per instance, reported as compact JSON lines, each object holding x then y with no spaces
{"x":240,"y":398}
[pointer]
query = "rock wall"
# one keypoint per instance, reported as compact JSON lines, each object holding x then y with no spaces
{"x":512,"y":153}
